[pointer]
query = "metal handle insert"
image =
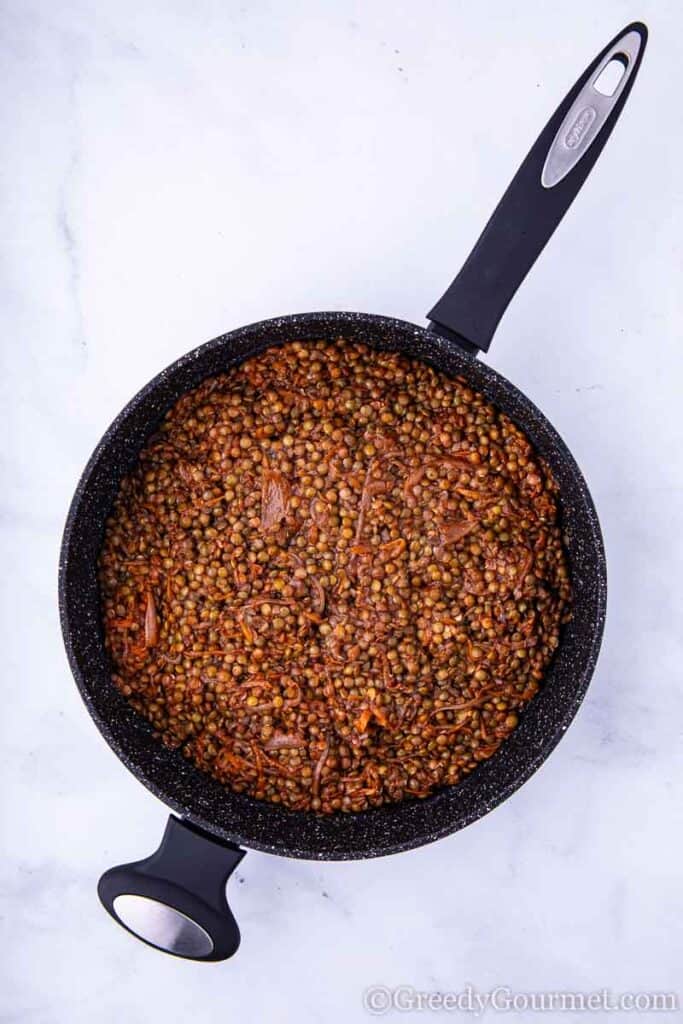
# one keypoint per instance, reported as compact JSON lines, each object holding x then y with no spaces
{"x":589,"y":112}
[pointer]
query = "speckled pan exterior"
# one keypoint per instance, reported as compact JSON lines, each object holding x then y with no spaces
{"x":262,"y":826}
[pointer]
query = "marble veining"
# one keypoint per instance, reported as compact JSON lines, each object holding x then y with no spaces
{"x":172,"y":172}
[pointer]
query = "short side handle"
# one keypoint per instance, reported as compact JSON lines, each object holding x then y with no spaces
{"x":175,"y":900}
{"x":537,"y":198}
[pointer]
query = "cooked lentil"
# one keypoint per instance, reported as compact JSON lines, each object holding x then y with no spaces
{"x":334,"y":578}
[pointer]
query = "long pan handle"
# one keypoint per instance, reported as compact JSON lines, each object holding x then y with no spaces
{"x":539,"y":195}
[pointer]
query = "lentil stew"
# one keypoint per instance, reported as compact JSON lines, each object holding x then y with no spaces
{"x":334,"y":578}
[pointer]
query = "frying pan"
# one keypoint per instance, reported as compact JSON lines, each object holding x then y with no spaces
{"x":176,"y":899}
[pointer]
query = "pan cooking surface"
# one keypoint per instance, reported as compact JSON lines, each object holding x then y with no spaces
{"x":334,"y":577}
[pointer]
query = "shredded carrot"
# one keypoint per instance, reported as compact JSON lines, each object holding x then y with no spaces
{"x":275,"y":494}
{"x":363,"y":720}
{"x":393,"y":548}
{"x":453,"y":531}
{"x":247,"y":631}
{"x":318,"y":770}
{"x":151,"y":622}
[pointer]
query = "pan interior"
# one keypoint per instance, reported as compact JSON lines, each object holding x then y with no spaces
{"x":264,"y":826}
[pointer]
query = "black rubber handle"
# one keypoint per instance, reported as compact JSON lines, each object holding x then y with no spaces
{"x":537,"y":198}
{"x":175,"y":900}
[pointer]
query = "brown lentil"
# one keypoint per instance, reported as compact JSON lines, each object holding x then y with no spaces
{"x":334,"y":578}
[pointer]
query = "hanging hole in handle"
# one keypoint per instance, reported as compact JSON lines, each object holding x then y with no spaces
{"x":611,"y":75}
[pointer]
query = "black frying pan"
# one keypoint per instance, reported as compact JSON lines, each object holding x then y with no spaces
{"x":175,"y":899}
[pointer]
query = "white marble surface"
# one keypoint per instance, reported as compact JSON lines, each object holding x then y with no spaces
{"x":171,"y":170}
